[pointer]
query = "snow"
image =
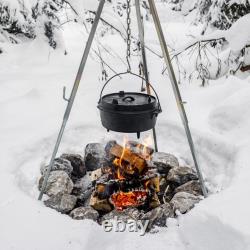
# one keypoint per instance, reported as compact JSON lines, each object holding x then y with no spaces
{"x":32,"y":76}
{"x":81,"y":6}
{"x":239,"y":35}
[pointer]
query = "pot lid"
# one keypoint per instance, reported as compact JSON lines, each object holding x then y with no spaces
{"x":128,"y":101}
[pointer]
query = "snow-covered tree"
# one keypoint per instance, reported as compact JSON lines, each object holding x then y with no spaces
{"x":176,"y":4}
{"x":20,"y":20}
{"x":221,"y":14}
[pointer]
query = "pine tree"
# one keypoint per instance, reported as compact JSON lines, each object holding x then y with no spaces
{"x":15,"y":22}
{"x":19,"y":20}
{"x":45,"y":14}
{"x":221,"y":14}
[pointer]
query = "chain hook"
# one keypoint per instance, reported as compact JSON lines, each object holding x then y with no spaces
{"x":128,"y":34}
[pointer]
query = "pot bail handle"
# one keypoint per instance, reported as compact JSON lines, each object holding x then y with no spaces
{"x":131,"y":73}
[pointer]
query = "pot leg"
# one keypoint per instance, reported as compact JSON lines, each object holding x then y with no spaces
{"x":138,"y":135}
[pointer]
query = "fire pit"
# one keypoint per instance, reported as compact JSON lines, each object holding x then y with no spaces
{"x":126,"y":180}
{"x":129,"y":180}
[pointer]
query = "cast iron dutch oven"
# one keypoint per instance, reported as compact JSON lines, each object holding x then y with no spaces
{"x":128,"y":112}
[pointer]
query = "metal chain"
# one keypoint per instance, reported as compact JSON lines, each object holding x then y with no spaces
{"x":128,"y":33}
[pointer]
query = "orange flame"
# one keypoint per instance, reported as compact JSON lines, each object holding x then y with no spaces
{"x":146,"y":143}
{"x":118,"y":161}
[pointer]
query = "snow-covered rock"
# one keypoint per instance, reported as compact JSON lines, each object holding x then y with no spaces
{"x":181,"y":175}
{"x":82,"y":213}
{"x":125,"y":215}
{"x":184,"y":201}
{"x":158,"y":216}
{"x":77,"y":162}
{"x":164,"y":162}
{"x":94,"y":156}
{"x":59,"y":182}
{"x":192,"y":187}
{"x":63,"y":203}
{"x":59,"y":164}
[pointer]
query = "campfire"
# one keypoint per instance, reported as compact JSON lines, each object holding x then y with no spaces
{"x":129,"y":180}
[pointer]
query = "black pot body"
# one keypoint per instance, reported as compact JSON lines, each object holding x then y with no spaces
{"x":129,"y":119}
{"x":128,"y":122}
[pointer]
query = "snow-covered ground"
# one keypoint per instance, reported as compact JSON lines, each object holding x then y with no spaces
{"x":32,"y":76}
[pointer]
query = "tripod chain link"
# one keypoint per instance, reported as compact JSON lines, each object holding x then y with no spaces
{"x":128,"y":34}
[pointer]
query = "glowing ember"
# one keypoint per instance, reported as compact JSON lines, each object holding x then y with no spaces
{"x":123,"y":200}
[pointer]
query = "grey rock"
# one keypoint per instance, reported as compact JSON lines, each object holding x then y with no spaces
{"x":181,"y":175}
{"x":63,"y":203}
{"x":192,"y":187}
{"x":82,"y":190}
{"x":77,"y":162}
{"x":59,"y":164}
{"x":158,"y":216}
{"x":81,"y":185}
{"x":59,"y":182}
{"x":184,"y":202}
{"x":107,"y":148}
{"x":94,"y":156}
{"x":164,"y":162}
{"x":163,"y":186}
{"x":82,"y":213}
{"x":84,"y":199}
{"x":124,"y":215}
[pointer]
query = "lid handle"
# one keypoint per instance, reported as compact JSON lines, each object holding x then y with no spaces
{"x":128,"y":99}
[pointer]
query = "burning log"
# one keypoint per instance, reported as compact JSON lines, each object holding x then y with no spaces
{"x":139,"y":149}
{"x":135,"y":162}
{"x":153,"y":184}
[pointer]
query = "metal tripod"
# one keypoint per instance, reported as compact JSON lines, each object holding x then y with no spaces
{"x":171,"y":73}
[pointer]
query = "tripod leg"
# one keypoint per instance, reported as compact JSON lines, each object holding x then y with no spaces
{"x":144,"y":58}
{"x":176,"y":90}
{"x":73,"y":94}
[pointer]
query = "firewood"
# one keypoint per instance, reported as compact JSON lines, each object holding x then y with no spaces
{"x":141,"y":150}
{"x":127,"y":155}
{"x":100,"y":204}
